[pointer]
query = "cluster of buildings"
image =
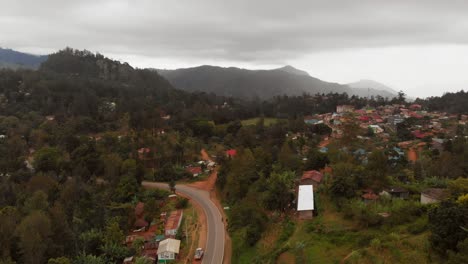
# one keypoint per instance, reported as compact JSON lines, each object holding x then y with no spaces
{"x":427,"y":196}
{"x":157,"y":246}
{"x":311,"y":180}
{"x":428,"y":129}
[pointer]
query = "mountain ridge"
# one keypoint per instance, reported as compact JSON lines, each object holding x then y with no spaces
{"x":14,"y":59}
{"x":247,"y":84}
{"x":264,"y":84}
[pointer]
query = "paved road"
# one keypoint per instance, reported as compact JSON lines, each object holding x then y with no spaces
{"x":214,"y":250}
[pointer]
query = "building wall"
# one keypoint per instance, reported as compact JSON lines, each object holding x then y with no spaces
{"x":166,"y":255}
{"x":171,"y":232}
{"x":309,"y":214}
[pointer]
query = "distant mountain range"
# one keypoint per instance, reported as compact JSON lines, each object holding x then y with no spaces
{"x":15,"y":59}
{"x":235,"y":82}
{"x":263,"y":84}
{"x":372,"y":88}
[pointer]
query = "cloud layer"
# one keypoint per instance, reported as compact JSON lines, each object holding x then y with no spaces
{"x":268,"y":31}
{"x":415,"y":45}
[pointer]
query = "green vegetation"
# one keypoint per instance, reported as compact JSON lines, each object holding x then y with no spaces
{"x":254,"y":121}
{"x":79,"y":135}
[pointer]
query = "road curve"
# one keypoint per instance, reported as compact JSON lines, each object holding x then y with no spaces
{"x":214,"y":250}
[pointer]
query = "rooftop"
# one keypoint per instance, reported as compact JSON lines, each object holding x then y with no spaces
{"x":312,"y":174}
{"x":435,"y":193}
{"x":169,"y":245}
{"x":173,"y":221}
{"x":305,"y":200}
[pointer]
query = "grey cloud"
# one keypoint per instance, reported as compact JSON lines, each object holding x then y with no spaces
{"x":231,"y":30}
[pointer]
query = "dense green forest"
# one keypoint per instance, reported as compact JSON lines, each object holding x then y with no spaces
{"x":449,"y":102}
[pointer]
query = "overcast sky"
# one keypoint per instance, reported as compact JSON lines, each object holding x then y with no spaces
{"x":420,"y":47}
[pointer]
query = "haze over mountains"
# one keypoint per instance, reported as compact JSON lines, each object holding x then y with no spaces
{"x":264,"y":84}
{"x":235,"y":82}
{"x":14,"y":59}
{"x":365,"y":88}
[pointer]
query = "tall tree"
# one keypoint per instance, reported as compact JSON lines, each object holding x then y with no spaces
{"x":34,"y":237}
{"x":448,"y":223}
{"x":287,"y":158}
{"x":279,"y":190}
{"x":9,"y":217}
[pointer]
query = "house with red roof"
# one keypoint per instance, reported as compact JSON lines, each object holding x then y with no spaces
{"x":415,"y":107}
{"x":195,"y":171}
{"x":364,"y":118}
{"x":419,"y":134}
{"x":231,"y":153}
{"x":311,"y":177}
{"x":415,"y":115}
{"x":369,"y":196}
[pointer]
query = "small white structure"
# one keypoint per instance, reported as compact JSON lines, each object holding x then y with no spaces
{"x":305,"y":201}
{"x":376,"y":129}
{"x":168,"y":249}
{"x":128,"y":260}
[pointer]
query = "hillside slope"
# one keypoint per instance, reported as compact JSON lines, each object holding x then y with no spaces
{"x":244,"y":83}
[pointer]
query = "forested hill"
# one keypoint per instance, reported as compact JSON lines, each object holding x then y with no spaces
{"x":74,"y":82}
{"x":15,"y":59}
{"x":456,"y":103}
{"x":263,"y":84}
{"x":243,"y":83}
{"x":80,"y":84}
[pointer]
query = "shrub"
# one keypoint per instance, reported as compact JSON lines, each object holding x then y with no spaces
{"x":354,"y":257}
{"x":404,"y":212}
{"x":181,"y":203}
{"x":418,"y":226}
{"x":376,"y":244}
{"x":364,"y":240}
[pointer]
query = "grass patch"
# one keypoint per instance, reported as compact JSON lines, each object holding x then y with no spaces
{"x":267,"y":121}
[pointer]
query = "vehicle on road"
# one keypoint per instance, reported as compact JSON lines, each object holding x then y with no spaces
{"x":199,"y":253}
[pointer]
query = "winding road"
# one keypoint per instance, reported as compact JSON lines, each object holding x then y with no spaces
{"x":214,"y":249}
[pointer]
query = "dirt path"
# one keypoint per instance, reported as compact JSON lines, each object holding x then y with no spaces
{"x":205,"y":155}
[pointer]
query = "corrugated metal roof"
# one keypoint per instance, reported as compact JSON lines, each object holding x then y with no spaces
{"x":305,"y":200}
{"x":169,"y":245}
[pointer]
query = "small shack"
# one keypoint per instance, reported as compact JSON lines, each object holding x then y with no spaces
{"x":395,"y":192}
{"x":305,"y":201}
